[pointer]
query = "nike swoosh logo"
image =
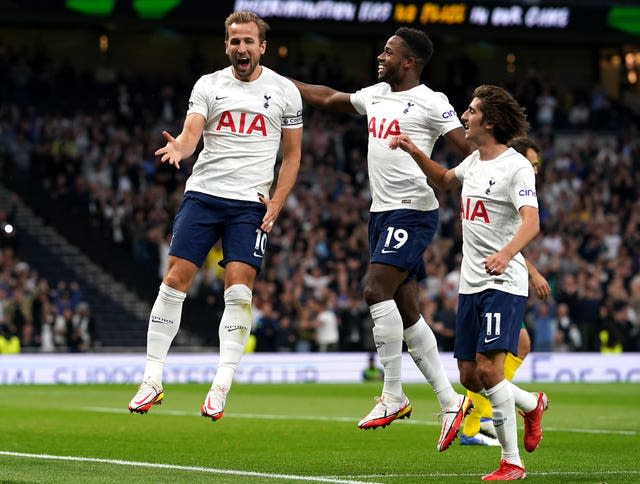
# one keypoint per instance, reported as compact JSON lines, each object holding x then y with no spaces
{"x":210,"y":408}
{"x":156,"y":319}
{"x":255,"y":254}
{"x":385,"y":251}
{"x":375,"y":102}
{"x":142,"y":399}
{"x":221,"y":97}
{"x":490,"y":340}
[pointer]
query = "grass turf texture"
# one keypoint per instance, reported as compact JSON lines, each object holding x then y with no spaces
{"x":296,"y":433}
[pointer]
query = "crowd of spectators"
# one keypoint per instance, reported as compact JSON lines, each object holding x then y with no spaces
{"x":82,"y":145}
{"x":34,"y":315}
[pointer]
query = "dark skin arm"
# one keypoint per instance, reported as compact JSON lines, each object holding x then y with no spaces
{"x":325,"y":97}
{"x":456,"y":136}
{"x":437,"y":175}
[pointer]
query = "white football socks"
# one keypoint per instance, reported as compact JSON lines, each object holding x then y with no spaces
{"x":164,"y":323}
{"x":423,"y":348}
{"x":504,"y":420}
{"x":234,"y":331}
{"x":387,"y":336}
{"x":525,"y":401}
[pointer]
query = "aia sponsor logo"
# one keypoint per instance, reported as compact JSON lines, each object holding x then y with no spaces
{"x":473,"y":210}
{"x":383,"y":129}
{"x":242,"y":123}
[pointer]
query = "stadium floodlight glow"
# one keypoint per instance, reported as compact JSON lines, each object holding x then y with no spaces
{"x":147,"y":9}
{"x":91,"y":7}
{"x":154,"y":8}
{"x":626,"y":19}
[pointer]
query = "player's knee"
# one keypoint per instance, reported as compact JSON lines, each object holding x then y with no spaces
{"x":175,"y":282}
{"x":178,"y":279}
{"x":489,"y":374}
{"x":470,"y":382}
{"x":370,"y":295}
{"x":374,"y":293}
{"x":468,"y":377}
{"x":180,"y":276}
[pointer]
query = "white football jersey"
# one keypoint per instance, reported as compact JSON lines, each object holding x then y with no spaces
{"x":244,"y":123}
{"x":395,"y":178}
{"x":493,"y":191}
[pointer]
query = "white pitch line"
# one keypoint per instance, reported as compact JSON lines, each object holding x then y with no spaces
{"x":208,"y":470}
{"x":594,"y":474}
{"x":588,"y":474}
{"x":434,"y":423}
{"x":330,"y":479}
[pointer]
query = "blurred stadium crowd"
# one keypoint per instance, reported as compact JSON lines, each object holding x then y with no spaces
{"x":78,"y":148}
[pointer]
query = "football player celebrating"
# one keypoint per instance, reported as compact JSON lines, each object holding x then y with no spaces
{"x":478,"y":428}
{"x":243,"y":111}
{"x":403,"y":221}
{"x":499,"y":218}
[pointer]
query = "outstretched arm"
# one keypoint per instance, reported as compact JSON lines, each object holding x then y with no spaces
{"x":183,"y":145}
{"x":292,"y":152}
{"x":438,"y":175}
{"x":325,"y":97}
{"x":457,"y":137}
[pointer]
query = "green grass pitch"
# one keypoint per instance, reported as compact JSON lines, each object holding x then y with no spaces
{"x":296,"y":433}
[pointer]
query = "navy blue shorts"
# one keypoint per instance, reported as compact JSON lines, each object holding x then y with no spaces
{"x":400,"y":237}
{"x":488,"y":321}
{"x":203,"y":219}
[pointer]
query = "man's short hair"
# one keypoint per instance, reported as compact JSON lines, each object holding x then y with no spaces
{"x":418,"y":42}
{"x":246,"y":18}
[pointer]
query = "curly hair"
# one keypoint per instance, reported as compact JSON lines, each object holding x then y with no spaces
{"x":501,"y":110}
{"x":246,"y":18}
